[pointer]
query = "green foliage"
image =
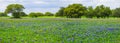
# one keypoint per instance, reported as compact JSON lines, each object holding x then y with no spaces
{"x":23,"y":14}
{"x":49,"y":14}
{"x":90,"y":12}
{"x":2,"y":14}
{"x":32,"y":14}
{"x":60,"y":12}
{"x":16,"y":14}
{"x":37,"y":14}
{"x":15,"y":9}
{"x":75,"y":11}
{"x":116,"y":12}
{"x":102,"y":11}
{"x":40,"y":14}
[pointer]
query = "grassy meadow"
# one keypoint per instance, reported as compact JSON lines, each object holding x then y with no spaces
{"x":59,"y":30}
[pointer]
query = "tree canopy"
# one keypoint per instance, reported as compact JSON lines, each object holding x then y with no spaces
{"x":102,"y":11}
{"x":2,"y":14}
{"x":23,"y":14}
{"x":116,"y":12}
{"x":60,"y":12}
{"x":90,"y":12}
{"x":74,"y":11}
{"x":49,"y":14}
{"x":14,"y":9}
{"x":36,"y":14}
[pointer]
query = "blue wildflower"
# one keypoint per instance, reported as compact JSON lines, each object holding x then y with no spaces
{"x":110,"y":29}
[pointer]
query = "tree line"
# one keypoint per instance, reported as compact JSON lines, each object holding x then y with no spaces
{"x":71,"y":11}
{"x":78,"y":10}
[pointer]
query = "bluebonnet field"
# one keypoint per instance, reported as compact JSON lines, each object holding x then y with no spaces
{"x":59,"y":30}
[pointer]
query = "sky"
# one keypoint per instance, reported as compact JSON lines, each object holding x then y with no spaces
{"x":54,"y":5}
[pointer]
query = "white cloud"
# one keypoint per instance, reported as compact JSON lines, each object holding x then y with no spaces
{"x":40,"y":2}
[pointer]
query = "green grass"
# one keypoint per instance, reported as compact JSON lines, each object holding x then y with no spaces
{"x":59,"y":30}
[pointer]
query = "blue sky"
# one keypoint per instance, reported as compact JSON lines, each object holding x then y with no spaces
{"x":54,"y":5}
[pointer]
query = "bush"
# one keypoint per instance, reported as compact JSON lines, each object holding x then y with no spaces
{"x":2,"y":14}
{"x":116,"y":12}
{"x":33,"y":14}
{"x":49,"y":14}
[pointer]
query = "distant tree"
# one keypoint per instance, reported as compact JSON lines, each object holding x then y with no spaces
{"x":102,"y":11}
{"x":75,"y":11}
{"x":49,"y":14}
{"x":2,"y":14}
{"x":39,"y":14}
{"x":35,"y":14}
{"x":32,"y":14}
{"x":15,"y":9}
{"x":116,"y":12}
{"x":60,"y":12}
{"x":107,"y":12}
{"x":97,"y":12}
{"x":90,"y":12}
